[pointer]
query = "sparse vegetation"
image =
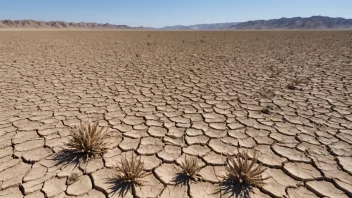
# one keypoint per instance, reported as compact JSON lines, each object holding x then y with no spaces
{"x":244,"y":172}
{"x":190,"y":168}
{"x":170,"y":100}
{"x":131,"y":171}
{"x":89,"y":140}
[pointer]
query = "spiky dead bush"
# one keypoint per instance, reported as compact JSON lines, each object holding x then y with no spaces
{"x":131,"y":171}
{"x":190,"y":167}
{"x":245,"y":172}
{"x":89,"y":140}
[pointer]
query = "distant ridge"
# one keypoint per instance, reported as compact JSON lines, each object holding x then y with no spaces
{"x":32,"y":24}
{"x":314,"y":22}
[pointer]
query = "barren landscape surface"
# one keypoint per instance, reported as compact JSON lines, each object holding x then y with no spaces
{"x":167,"y":95}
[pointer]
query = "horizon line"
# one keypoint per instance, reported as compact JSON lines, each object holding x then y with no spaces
{"x":168,"y":25}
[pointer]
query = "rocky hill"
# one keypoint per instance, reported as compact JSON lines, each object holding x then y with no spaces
{"x":314,"y":22}
{"x":29,"y":24}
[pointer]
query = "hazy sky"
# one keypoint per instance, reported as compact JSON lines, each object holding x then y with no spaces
{"x":158,"y":13}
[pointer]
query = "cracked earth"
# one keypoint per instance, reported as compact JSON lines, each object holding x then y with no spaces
{"x":167,"y":95}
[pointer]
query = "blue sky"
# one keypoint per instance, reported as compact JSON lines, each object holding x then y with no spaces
{"x":158,"y":13}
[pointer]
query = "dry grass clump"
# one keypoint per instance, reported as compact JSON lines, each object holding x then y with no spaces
{"x":89,"y":140}
{"x":190,"y":167}
{"x":131,"y":171}
{"x":241,"y":171}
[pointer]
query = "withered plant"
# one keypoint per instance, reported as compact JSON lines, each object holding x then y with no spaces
{"x":245,"y":172}
{"x":89,"y":140}
{"x":190,"y":167}
{"x":131,"y":171}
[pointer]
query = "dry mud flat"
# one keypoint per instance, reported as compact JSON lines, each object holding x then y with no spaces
{"x":164,"y":95}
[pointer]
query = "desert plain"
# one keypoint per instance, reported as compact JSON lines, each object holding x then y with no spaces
{"x":167,"y":95}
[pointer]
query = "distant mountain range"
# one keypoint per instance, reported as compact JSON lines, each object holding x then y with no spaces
{"x":30,"y":24}
{"x":314,"y":22}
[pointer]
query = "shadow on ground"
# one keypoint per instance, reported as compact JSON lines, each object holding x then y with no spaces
{"x":67,"y":156}
{"x":120,"y":187}
{"x":182,"y":179}
{"x":233,"y":189}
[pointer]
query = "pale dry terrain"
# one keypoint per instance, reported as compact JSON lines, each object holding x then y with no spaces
{"x":164,"y":95}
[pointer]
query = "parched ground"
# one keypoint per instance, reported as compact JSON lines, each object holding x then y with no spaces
{"x":167,"y":95}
